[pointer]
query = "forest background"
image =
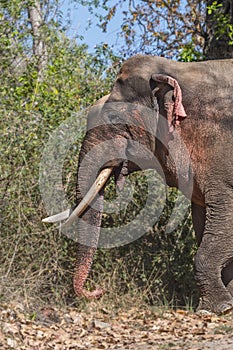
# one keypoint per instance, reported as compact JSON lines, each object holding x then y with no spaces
{"x":47,"y":75}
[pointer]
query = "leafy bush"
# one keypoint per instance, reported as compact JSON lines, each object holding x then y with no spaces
{"x":35,"y":257}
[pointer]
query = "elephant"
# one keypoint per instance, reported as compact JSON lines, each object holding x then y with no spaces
{"x":153,"y":100}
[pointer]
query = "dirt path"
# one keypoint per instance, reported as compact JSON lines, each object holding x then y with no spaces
{"x":50,"y":328}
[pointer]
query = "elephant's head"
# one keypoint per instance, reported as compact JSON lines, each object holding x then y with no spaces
{"x":120,"y":139}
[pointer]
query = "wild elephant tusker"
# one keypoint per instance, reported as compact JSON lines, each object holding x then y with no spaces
{"x":153,"y":101}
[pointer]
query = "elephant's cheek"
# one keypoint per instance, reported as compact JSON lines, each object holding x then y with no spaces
{"x":141,"y":156}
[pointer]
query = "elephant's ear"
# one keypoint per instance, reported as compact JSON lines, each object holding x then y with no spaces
{"x":169,"y":96}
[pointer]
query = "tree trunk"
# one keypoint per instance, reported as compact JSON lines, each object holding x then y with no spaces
{"x":39,"y":46}
{"x":217,"y":44}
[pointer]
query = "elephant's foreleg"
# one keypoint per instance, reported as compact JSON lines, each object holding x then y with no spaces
{"x":198,"y":218}
{"x":215,"y":252}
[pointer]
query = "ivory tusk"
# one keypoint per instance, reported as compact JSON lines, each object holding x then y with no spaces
{"x":91,"y":194}
{"x":86,"y":201}
{"x":58,"y":217}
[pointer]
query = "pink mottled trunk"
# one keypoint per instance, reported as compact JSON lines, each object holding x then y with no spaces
{"x":88,"y":227}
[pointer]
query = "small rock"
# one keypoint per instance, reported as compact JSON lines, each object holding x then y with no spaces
{"x":100,"y":325}
{"x":10,"y":328}
{"x":12,"y":343}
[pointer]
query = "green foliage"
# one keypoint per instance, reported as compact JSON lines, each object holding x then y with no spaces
{"x":190,"y":53}
{"x":213,"y":7}
{"x":222,"y":22}
{"x":36,"y":259}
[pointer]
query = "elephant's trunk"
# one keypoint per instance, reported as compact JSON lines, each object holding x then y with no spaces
{"x":84,"y":261}
{"x":88,"y":226}
{"x":89,"y":230}
{"x":92,"y":158}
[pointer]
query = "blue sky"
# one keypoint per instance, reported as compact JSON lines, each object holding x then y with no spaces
{"x":80,"y":17}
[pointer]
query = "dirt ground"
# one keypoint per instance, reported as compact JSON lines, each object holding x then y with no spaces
{"x":100,"y":328}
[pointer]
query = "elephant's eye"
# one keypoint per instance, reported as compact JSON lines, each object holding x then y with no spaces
{"x":114,"y":119}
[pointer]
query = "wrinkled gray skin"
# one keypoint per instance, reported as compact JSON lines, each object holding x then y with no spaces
{"x":207,"y":89}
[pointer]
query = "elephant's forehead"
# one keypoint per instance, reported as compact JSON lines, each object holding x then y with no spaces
{"x":139,"y":65}
{"x":128,"y":71}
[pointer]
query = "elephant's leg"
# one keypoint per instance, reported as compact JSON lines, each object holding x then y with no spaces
{"x":215,"y":252}
{"x":198,"y":218}
{"x":215,"y":297}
